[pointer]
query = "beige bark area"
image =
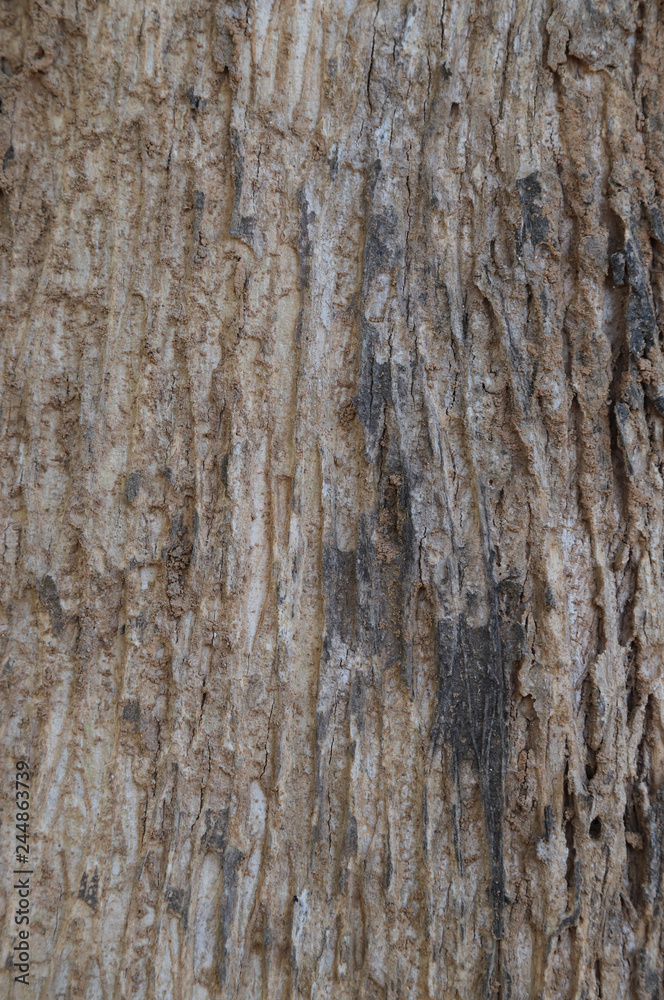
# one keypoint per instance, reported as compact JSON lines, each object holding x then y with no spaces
{"x":331,"y":449}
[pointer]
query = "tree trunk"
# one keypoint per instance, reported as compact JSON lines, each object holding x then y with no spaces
{"x":332,"y":441}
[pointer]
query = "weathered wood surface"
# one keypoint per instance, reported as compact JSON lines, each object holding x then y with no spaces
{"x":331,"y":447}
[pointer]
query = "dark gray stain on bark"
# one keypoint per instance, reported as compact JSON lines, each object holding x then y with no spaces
{"x":233,"y":857}
{"x":374,"y":389}
{"x":656,"y":224}
{"x":618,"y":267}
{"x":177,"y":902}
{"x":641,"y":323}
{"x":471,"y":718}
{"x":534,"y":225}
{"x":50,"y":599}
{"x":131,"y":713}
{"x":132,"y":486}
{"x":214,"y":836}
{"x":367,"y":591}
{"x":305,"y":246}
{"x":88,"y":891}
{"x":242,"y":226}
{"x":341,"y":592}
{"x":381,"y":249}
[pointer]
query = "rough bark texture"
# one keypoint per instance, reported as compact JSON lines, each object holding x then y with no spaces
{"x":332,"y":498}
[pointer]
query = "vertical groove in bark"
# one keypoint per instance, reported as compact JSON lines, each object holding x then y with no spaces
{"x":331,"y":430}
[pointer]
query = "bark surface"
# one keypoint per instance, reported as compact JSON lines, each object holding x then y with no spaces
{"x":331,"y":447}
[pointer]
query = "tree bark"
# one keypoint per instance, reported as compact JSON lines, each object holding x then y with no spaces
{"x":331,"y":429}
